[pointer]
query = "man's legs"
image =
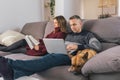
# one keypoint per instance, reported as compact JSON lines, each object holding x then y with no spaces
{"x":23,"y":68}
{"x":5,"y":70}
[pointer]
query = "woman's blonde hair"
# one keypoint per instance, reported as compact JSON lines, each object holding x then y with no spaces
{"x":62,"y":23}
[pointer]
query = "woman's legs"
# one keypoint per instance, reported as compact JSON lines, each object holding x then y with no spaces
{"x":19,"y":50}
{"x":2,"y":47}
{"x":16,"y":45}
{"x":23,"y":68}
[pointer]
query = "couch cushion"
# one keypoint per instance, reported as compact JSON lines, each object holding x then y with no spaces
{"x":4,"y":53}
{"x":58,"y":73}
{"x":107,"y":29}
{"x":106,"y":61}
{"x":105,"y":76}
{"x":106,"y":46}
{"x":36,"y":29}
{"x":27,"y":78}
{"x":21,"y":56}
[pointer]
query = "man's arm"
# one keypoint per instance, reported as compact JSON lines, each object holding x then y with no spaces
{"x":93,"y":42}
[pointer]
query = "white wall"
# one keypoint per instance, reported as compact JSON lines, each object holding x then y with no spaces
{"x":118,"y":7}
{"x":72,"y":7}
{"x":82,"y":9}
{"x":90,"y":9}
{"x":67,"y":8}
{"x":15,"y":13}
{"x":59,"y":7}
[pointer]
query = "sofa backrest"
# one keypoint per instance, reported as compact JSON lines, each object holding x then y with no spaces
{"x":49,"y":28}
{"x":107,"y":30}
{"x":35,"y":29}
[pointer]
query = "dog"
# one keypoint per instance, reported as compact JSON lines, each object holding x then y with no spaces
{"x":80,"y":59}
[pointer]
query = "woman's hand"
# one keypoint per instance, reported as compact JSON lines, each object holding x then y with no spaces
{"x":36,"y":47}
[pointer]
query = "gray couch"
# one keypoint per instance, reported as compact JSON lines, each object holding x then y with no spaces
{"x":104,"y":66}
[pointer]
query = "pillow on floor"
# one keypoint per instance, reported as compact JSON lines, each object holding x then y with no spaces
{"x":106,"y":61}
{"x":9,"y":37}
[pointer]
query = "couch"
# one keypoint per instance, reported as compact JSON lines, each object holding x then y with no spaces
{"x":104,"y":66}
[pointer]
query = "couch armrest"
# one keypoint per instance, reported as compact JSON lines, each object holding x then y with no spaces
{"x":106,"y":61}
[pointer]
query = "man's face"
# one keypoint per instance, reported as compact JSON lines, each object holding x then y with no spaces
{"x":75,"y":25}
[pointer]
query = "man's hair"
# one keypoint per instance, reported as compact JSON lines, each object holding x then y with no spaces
{"x":75,"y":17}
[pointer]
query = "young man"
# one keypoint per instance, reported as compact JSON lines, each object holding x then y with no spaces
{"x":12,"y":69}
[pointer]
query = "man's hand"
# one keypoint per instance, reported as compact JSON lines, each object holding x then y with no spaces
{"x":36,"y":47}
{"x":71,"y":47}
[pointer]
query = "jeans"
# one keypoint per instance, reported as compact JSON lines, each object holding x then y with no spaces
{"x":28,"y":67}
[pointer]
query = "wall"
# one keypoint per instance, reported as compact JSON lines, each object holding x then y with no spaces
{"x":86,"y":9}
{"x":67,"y":8}
{"x":118,"y":7}
{"x":90,"y":9}
{"x":47,"y":13}
{"x":71,"y":8}
{"x":59,"y":7}
{"x":15,"y":13}
{"x":82,"y":9}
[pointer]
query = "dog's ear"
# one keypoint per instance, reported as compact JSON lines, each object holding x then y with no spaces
{"x":85,"y":57}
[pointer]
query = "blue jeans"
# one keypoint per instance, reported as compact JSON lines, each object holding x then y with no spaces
{"x":28,"y":67}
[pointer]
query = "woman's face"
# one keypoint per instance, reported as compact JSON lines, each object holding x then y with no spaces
{"x":55,"y":23}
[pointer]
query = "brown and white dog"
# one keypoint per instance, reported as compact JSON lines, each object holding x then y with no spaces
{"x":80,"y":59}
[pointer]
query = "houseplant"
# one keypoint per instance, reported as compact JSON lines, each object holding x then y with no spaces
{"x":52,"y":7}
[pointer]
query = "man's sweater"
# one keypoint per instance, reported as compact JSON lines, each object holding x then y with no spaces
{"x":85,"y":39}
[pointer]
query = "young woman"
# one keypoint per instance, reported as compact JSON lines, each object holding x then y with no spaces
{"x":39,"y":50}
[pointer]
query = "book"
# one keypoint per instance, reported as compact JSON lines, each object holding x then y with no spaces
{"x":36,"y":42}
{"x":31,"y":41}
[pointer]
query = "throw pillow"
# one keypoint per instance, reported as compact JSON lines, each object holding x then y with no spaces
{"x":106,"y":61}
{"x":9,"y":37}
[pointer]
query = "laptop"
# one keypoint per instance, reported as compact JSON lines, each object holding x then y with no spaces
{"x":55,"y":45}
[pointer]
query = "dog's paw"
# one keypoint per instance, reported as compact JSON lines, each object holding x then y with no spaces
{"x":69,"y":69}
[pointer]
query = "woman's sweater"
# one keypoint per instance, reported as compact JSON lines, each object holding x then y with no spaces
{"x":42,"y":50}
